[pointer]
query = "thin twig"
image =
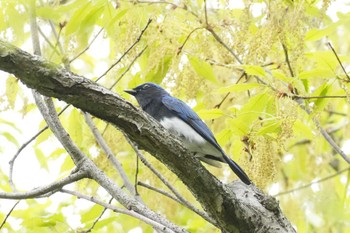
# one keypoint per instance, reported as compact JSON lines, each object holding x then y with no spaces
{"x":131,"y":213}
{"x":57,"y":42}
{"x":57,"y":36}
{"x":136,"y":174}
{"x":129,"y":67}
{"x":323,"y":132}
{"x":127,"y":51}
{"x":161,"y":192}
{"x":184,"y":7}
{"x":330,"y":140}
{"x":12,"y":161}
{"x":48,"y":42}
{"x":314,"y":182}
{"x":24,"y":145}
{"x":336,"y":113}
{"x":172,"y":189}
{"x":320,"y":97}
{"x":222,"y":101}
{"x":218,"y":39}
{"x":9,"y":213}
{"x":149,"y":166}
{"x":46,"y":127}
{"x":49,"y":113}
{"x":179,"y":50}
{"x":206,"y":13}
{"x":40,"y":191}
{"x":287,"y":59}
{"x":340,"y":63}
{"x":110,"y":155}
{"x":82,"y":161}
{"x":326,"y":135}
{"x":87,"y":47}
{"x":99,"y":217}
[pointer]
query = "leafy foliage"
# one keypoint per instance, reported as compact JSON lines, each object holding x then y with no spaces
{"x":269,"y":121}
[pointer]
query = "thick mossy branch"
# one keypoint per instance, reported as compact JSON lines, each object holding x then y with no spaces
{"x":233,"y":211}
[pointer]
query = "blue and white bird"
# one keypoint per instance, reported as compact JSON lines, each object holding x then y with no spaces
{"x":181,"y":120}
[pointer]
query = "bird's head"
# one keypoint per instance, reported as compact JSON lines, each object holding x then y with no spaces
{"x":146,"y":92}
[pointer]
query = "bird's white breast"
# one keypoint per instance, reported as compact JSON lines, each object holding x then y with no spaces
{"x":192,"y":140}
{"x":182,"y":129}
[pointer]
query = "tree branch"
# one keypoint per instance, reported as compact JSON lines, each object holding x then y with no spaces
{"x":131,"y":213}
{"x":158,"y":190}
{"x":127,"y":51}
{"x":48,"y":111}
{"x":24,"y":145}
{"x":287,"y":59}
{"x":111,"y":157}
{"x":179,"y":50}
{"x":87,"y":47}
{"x":99,"y":217}
{"x":338,"y":59}
{"x":218,"y":39}
{"x":38,"y":192}
{"x":223,"y":205}
{"x":178,"y":196}
{"x":314,"y":182}
{"x":8,"y":214}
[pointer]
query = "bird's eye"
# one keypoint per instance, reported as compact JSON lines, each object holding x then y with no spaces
{"x":146,"y":86}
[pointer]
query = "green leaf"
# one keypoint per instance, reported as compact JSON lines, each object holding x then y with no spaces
{"x":323,"y":90}
{"x":67,"y":165}
{"x":27,"y":108}
{"x":92,"y":17}
{"x":11,"y":124}
{"x":110,"y":27}
{"x":10,"y":138}
{"x":255,"y":107}
{"x":239,"y":87}
{"x":254,"y":70}
{"x":202,"y":68}
{"x":270,"y":128}
{"x":317,"y":73}
{"x":92,"y":213}
{"x":75,"y":127}
{"x":325,"y":60}
{"x":302,"y":131}
{"x":11,"y":90}
{"x":15,"y":20}
{"x":158,"y":73}
{"x":316,"y":34}
{"x":281,"y":76}
{"x":208,"y":114}
{"x":41,"y":158}
{"x":43,"y":137}
{"x":56,"y":153}
{"x":49,"y":12}
{"x":107,"y":221}
{"x":75,"y":21}
{"x":239,"y":126}
{"x":224,"y":136}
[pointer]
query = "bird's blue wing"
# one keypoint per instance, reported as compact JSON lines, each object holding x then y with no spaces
{"x":191,"y":118}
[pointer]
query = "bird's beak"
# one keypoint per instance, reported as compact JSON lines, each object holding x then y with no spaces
{"x":131,"y":92}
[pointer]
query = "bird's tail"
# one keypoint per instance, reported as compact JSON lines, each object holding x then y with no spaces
{"x":237,"y":170}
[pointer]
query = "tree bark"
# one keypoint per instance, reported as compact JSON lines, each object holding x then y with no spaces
{"x":235,"y":207}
